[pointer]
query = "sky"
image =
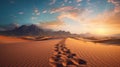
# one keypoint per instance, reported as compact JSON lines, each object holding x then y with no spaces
{"x":99,"y":17}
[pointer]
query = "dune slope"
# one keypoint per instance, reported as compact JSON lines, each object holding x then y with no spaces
{"x":26,"y":54}
{"x":96,"y":55}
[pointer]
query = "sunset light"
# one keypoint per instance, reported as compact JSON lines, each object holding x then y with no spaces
{"x":59,"y":33}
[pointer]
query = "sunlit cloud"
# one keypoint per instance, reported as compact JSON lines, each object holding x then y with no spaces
{"x":116,"y":3}
{"x":78,"y":1}
{"x":78,"y":4}
{"x":62,"y":9}
{"x":103,"y":23}
{"x":54,"y":25}
{"x":78,"y":15}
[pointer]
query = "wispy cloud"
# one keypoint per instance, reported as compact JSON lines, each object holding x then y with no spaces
{"x":52,"y":2}
{"x":75,"y":14}
{"x":36,"y":11}
{"x":65,"y":1}
{"x":108,"y":20}
{"x":78,"y":1}
{"x":116,"y":3}
{"x":20,"y":13}
{"x":44,"y":11}
{"x":33,"y":18}
{"x":62,"y":9}
{"x":55,"y":25}
{"x":69,"y":2}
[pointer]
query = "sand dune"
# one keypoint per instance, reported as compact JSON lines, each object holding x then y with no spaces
{"x":7,"y":39}
{"x":68,"y":52}
{"x":26,"y":54}
{"x":96,"y":55}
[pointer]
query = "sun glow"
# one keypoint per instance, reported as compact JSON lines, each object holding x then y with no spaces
{"x":101,"y":31}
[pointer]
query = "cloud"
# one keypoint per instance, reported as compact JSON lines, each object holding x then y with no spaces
{"x":72,"y":16}
{"x":36,"y":12}
{"x":69,"y":2}
{"x":78,"y":4}
{"x":108,"y":20}
{"x":88,"y":0}
{"x":33,"y":18}
{"x":13,"y":25}
{"x":55,"y":25}
{"x":70,"y":9}
{"x":2,"y":29}
{"x":117,"y":5}
{"x":65,"y":12}
{"x":62,"y":4}
{"x":70,"y":12}
{"x":75,"y":14}
{"x":52,"y":2}
{"x":44,"y":11}
{"x":78,"y":1}
{"x":65,"y":1}
{"x":20,"y":13}
{"x":62,"y":9}
{"x":114,"y":19}
{"x":9,"y":27}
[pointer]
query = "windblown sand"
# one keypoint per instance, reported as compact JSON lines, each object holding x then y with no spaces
{"x":16,"y":52}
{"x":96,"y":55}
{"x":26,"y":53}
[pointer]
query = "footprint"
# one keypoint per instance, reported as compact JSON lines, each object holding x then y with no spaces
{"x":77,"y":61}
{"x":62,"y":57}
{"x":56,"y":64}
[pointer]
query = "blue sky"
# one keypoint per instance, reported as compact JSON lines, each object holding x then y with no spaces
{"x":21,"y":11}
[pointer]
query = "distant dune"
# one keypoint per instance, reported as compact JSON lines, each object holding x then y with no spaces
{"x":97,"y":55}
{"x":7,"y":39}
{"x":109,"y":41}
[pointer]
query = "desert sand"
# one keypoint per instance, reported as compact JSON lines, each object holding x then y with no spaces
{"x":96,"y":54}
{"x":8,"y":39}
{"x":68,"y":52}
{"x":25,"y":53}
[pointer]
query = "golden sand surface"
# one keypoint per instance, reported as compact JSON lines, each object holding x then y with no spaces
{"x":96,"y":54}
